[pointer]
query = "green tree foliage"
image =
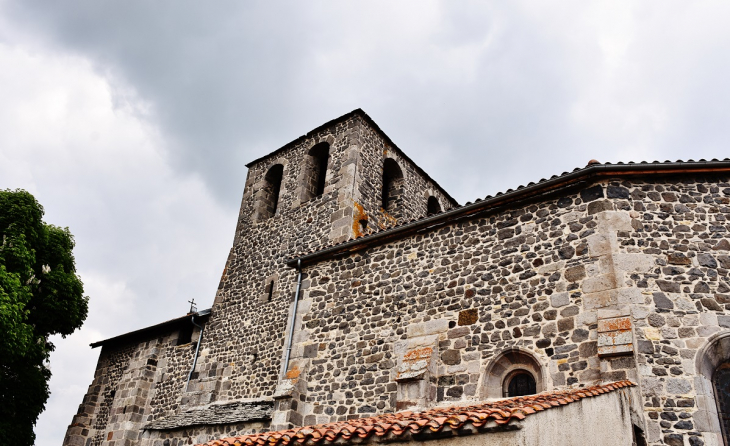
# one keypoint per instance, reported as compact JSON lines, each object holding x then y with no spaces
{"x":40,"y":295}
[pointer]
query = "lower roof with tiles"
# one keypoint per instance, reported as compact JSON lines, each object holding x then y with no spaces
{"x":406,"y":425}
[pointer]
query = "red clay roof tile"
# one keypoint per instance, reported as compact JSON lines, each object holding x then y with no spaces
{"x":404,"y":423}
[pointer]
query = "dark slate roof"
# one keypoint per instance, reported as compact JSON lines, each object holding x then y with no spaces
{"x":147,"y":332}
{"x":594,"y":170}
{"x":215,"y":414}
{"x":358,"y":112}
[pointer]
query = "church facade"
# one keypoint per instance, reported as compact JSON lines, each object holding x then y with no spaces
{"x":359,"y":294}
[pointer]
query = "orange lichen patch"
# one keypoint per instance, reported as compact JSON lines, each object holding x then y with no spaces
{"x":401,"y":426}
{"x":418,"y":354}
{"x":293,"y":373}
{"x":415,"y":364}
{"x":358,"y":217}
{"x":618,"y":323}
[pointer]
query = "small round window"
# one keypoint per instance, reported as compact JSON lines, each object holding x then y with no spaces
{"x":521,"y":383}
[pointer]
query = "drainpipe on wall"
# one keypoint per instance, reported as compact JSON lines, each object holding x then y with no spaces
{"x":293,"y":318}
{"x":197,"y":349}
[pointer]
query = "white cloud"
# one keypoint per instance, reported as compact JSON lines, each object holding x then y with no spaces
{"x":148,"y":239}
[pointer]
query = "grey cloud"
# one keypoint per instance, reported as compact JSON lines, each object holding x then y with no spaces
{"x":230,"y":81}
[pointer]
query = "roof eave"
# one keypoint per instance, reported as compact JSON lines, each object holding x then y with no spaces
{"x":151,"y":329}
{"x":522,"y":193}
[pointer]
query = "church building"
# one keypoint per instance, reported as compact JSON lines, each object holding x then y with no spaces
{"x":361,"y":303}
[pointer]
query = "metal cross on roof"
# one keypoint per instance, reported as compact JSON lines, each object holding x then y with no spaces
{"x":193,"y":308}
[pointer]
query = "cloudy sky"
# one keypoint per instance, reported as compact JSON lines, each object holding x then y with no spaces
{"x":131,"y":121}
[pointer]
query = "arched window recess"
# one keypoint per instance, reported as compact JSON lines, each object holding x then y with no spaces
{"x":514,"y":372}
{"x":433,"y":206}
{"x":268,"y":200}
{"x":519,"y":383}
{"x":392,"y":192}
{"x":316,"y":171}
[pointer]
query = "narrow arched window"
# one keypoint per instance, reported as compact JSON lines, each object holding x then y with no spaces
{"x":269,"y":198}
{"x":514,"y":372}
{"x":434,"y":207}
{"x":270,"y":291}
{"x":392,"y":187}
{"x":721,"y":383}
{"x":319,"y":158}
{"x":521,"y":383}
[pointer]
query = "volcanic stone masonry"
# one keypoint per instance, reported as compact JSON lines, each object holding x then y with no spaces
{"x":608,"y":273}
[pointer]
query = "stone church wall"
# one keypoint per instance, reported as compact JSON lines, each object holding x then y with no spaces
{"x":545,"y":280}
{"x":135,"y":382}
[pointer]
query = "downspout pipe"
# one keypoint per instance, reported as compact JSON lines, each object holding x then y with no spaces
{"x":293,"y":318}
{"x":197,"y":349}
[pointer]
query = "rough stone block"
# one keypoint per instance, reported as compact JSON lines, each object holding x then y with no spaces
{"x":433,"y":326}
{"x":551,"y":267}
{"x":601,"y":244}
{"x":662,"y":301}
{"x":560,"y":299}
{"x":679,"y":386}
{"x":586,"y":318}
{"x":575,"y":273}
{"x":468,"y":317}
{"x":614,"y":221}
{"x":599,"y":283}
{"x":592,"y":193}
{"x":611,"y":350}
{"x":451,"y":357}
{"x":639,"y":263}
{"x":599,"y":206}
{"x":723,"y":321}
{"x":594,"y":301}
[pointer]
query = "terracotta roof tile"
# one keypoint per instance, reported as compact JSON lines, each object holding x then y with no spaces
{"x":401,"y":425}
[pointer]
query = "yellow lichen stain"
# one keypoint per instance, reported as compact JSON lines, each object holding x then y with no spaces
{"x":562,"y":361}
{"x":389,"y":220}
{"x":358,"y":216}
{"x":652,"y":333}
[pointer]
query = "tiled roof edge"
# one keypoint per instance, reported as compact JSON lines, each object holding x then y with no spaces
{"x":436,"y":422}
{"x":593,"y":170}
{"x":361,"y":113}
{"x":150,"y":329}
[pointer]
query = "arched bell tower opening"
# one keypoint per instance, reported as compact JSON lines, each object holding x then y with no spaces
{"x":268,"y":196}
{"x":433,"y":206}
{"x":392,"y":194}
{"x":319,"y":156}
